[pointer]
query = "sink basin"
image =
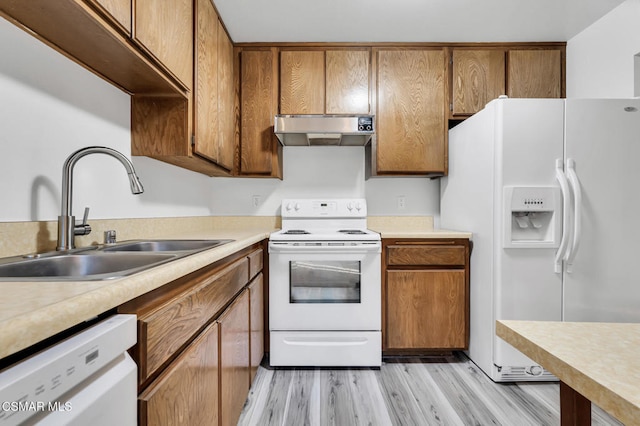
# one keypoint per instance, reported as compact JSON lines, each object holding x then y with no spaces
{"x":84,"y":266}
{"x":165,"y":245}
{"x":100,"y":262}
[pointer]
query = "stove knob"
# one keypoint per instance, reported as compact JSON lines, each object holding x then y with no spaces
{"x":358,"y":206}
{"x":350,"y":206}
{"x":297,"y":206}
{"x":289,"y":207}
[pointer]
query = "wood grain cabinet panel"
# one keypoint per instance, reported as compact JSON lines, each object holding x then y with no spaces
{"x":478,"y":77}
{"x":165,"y":29}
{"x":534,"y":73}
{"x":214,"y":112}
{"x":411,"y":126}
{"x":234,"y":359}
{"x":164,"y":330}
{"x":347,"y":81}
{"x":171,"y":401}
{"x":226,"y":100}
{"x":256,"y":323}
{"x":260,"y":152}
{"x":423,"y":255}
{"x":302,"y":82}
{"x":118,"y":11}
{"x":206,"y":81}
{"x":255,"y":263}
{"x":426,"y":309}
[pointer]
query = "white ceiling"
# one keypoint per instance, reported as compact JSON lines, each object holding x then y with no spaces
{"x":409,"y":20}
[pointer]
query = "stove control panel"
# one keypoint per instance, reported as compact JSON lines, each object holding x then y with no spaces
{"x":317,"y":208}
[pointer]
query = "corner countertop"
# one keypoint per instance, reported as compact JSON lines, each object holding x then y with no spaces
{"x":597,"y":360}
{"x":33,"y":311}
{"x":411,"y":227}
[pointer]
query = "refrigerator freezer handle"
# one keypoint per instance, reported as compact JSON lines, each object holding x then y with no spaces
{"x":577,"y":203}
{"x":566,"y":208}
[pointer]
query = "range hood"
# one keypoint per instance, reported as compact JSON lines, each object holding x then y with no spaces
{"x":324,"y":130}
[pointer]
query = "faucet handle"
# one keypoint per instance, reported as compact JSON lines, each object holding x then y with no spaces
{"x":84,"y":228}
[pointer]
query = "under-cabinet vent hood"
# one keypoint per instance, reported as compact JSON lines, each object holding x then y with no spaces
{"x":324,"y":130}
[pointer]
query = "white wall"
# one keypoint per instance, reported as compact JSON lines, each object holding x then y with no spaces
{"x":600,"y":59}
{"x":50,"y":107}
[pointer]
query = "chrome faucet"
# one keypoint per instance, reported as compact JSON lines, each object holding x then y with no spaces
{"x":67,"y":228}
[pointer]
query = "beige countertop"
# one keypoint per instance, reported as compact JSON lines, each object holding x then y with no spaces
{"x":33,"y":311}
{"x":597,"y":360}
{"x":411,"y":227}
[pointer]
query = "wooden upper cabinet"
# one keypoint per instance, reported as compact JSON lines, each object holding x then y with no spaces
{"x":325,"y":81}
{"x":118,"y":11}
{"x":302,"y":80}
{"x":226,"y":100}
{"x":478,"y":77}
{"x":206,"y":81}
{"x":165,"y":29}
{"x":534,"y":73}
{"x":411,"y":121}
{"x":213,"y":92}
{"x":260,"y":152}
{"x":347,"y":81}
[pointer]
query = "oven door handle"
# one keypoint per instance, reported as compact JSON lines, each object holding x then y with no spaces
{"x":275,"y":247}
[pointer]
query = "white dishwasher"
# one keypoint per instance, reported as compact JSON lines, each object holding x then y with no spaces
{"x":86,"y":379}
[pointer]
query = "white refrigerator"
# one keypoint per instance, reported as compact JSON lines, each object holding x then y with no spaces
{"x":550,"y":189}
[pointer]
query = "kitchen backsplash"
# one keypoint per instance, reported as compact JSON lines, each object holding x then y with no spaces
{"x":18,"y":238}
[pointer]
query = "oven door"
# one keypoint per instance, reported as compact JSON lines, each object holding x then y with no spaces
{"x":324,"y":286}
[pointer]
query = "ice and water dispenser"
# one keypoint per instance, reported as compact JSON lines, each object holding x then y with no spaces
{"x":532,"y":216}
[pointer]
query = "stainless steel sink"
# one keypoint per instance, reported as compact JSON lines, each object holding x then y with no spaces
{"x":81,"y":266}
{"x":165,"y":245}
{"x":100,"y":262}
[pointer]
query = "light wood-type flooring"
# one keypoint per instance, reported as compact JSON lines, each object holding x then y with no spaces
{"x":446,"y":390}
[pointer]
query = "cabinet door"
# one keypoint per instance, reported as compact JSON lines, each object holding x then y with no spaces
{"x":347,"y":81}
{"x":534,"y":74}
{"x":187,"y":391}
{"x":234,"y":359}
{"x":302,"y":82}
{"x":411,"y":128}
{"x":226,"y":99}
{"x":426,"y":309}
{"x":478,"y":77}
{"x":206,"y":90}
{"x":165,"y":29}
{"x":260,"y":152}
{"x":256,"y":306}
{"x":119,"y":11}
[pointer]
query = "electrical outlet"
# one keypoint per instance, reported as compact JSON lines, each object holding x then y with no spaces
{"x":401,"y":202}
{"x":255,"y":200}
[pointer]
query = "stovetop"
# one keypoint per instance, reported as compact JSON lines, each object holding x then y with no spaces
{"x":324,"y":220}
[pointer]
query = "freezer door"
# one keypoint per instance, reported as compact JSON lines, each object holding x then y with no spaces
{"x":603,"y":139}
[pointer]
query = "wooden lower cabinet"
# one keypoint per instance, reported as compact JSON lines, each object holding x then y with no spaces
{"x":425,"y":295}
{"x":426,"y":309}
{"x":170,"y":400}
{"x":194,"y":351}
{"x":256,"y":323}
{"x":234,"y":359}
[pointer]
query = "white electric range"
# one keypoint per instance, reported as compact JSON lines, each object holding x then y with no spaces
{"x":325,"y":285}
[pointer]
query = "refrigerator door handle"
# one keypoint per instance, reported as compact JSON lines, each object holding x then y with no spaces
{"x":574,"y":182}
{"x":566,"y":208}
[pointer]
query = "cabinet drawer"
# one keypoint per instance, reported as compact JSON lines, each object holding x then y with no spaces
{"x":438,"y":255}
{"x":171,"y":399}
{"x":255,"y":263}
{"x":164,"y":330}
